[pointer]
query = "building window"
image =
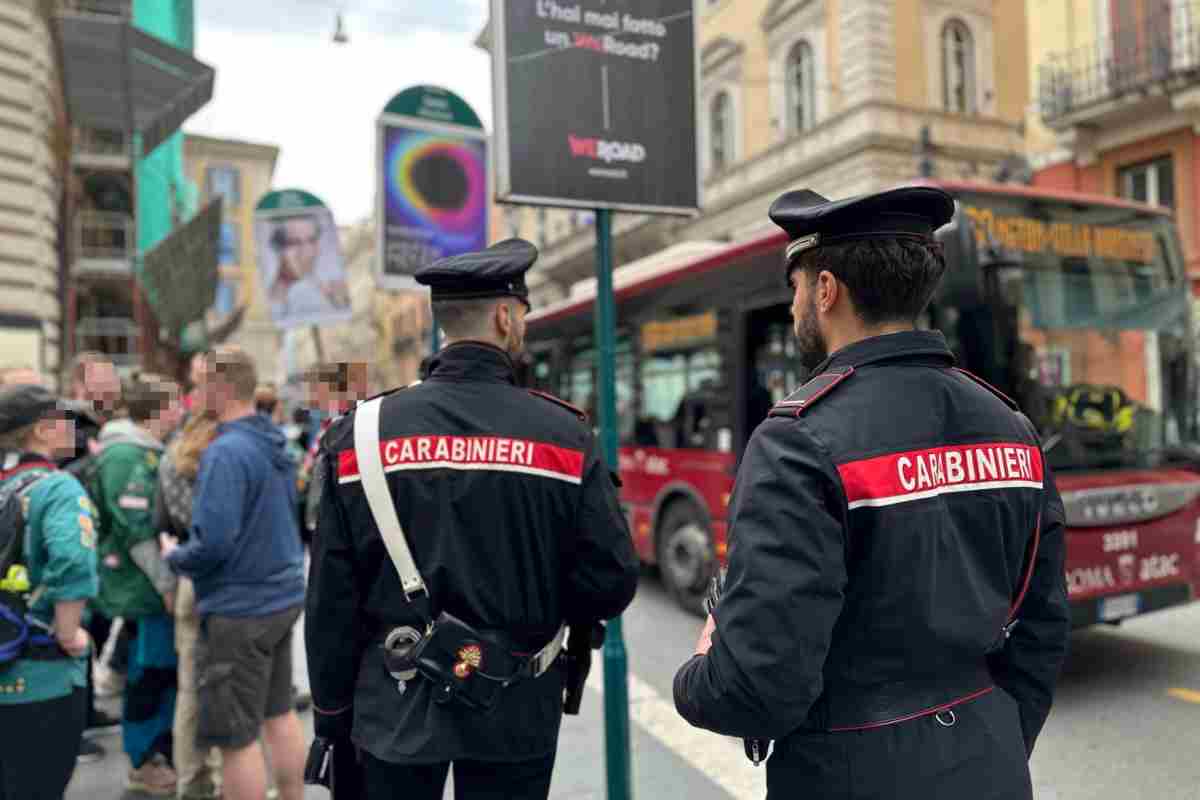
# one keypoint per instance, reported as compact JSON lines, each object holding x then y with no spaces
{"x":225,"y":182}
{"x":958,"y":68}
{"x":801,"y":87}
{"x":229,"y":248}
{"x":1150,"y":182}
{"x":720,"y":132}
{"x":229,"y":288}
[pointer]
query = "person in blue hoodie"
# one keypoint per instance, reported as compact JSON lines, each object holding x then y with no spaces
{"x":245,"y":559}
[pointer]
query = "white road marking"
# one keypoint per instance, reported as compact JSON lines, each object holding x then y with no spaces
{"x":719,"y":758}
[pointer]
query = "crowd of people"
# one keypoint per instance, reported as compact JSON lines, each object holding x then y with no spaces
{"x":155,"y":549}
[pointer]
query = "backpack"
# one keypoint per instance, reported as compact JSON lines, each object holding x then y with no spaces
{"x":17,"y":632}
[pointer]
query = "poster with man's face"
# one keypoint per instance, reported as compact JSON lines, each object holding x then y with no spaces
{"x":300,"y":267}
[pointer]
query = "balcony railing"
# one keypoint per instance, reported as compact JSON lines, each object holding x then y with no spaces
{"x":1162,"y":54}
{"x":106,"y":144}
{"x":113,"y":8}
{"x":102,"y":235}
{"x":116,"y":337}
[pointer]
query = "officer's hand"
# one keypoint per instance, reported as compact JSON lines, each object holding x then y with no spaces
{"x":705,"y":642}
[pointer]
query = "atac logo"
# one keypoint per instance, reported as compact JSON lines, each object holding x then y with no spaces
{"x":647,"y":463}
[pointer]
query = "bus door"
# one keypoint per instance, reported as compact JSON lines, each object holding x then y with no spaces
{"x":768,"y":368}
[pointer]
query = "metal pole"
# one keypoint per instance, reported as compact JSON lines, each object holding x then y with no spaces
{"x":616,"y":684}
{"x":317,"y":346}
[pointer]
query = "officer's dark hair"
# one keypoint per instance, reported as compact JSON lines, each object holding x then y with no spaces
{"x":890,"y":280}
{"x":467,"y":319}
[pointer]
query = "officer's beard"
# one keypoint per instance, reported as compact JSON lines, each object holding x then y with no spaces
{"x":515,"y":344}
{"x":810,"y":342}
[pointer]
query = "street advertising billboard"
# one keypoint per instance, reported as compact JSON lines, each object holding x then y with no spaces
{"x":300,"y":268}
{"x":595,"y":103}
{"x":433,"y":187}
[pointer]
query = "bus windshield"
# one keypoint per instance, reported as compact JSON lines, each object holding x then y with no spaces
{"x":1083,"y":316}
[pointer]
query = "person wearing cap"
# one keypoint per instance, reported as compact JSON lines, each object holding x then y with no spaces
{"x":513,"y":523}
{"x":894,"y":612}
{"x":43,"y":705}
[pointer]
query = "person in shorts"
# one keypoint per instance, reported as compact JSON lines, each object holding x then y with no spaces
{"x":245,"y":560}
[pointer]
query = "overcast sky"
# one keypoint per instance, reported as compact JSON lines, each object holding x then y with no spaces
{"x":281,"y":80}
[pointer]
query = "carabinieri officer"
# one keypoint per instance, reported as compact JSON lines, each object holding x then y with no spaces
{"x":894,"y":613}
{"x":511,"y":520}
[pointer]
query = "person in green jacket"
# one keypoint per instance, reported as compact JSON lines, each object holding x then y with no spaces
{"x":135,"y":583}
{"x":43,"y":704}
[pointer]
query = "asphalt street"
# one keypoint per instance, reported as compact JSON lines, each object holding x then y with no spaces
{"x":1126,"y":722}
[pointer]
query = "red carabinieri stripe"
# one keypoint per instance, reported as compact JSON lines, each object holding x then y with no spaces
{"x":491,"y":453}
{"x":918,"y":474}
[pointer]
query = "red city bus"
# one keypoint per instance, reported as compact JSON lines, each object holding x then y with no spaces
{"x":1077,"y":306}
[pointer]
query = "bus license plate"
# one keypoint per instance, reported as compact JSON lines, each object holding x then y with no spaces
{"x":1119,"y":607}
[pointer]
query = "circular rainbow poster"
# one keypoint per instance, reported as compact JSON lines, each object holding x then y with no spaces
{"x":435,"y":197}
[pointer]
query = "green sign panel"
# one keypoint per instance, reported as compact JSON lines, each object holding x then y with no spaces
{"x":434,"y":104}
{"x":287,"y":199}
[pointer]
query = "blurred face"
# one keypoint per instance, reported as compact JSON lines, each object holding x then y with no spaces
{"x":196,"y":371}
{"x":298,"y":255}
{"x":101,"y":386}
{"x":21,"y":376}
{"x":169,"y":417}
{"x":55,"y":436}
{"x":217,"y":394}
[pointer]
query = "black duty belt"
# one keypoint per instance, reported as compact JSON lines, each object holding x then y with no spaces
{"x":851,"y":708}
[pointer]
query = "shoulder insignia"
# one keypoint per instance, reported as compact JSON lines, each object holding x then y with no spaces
{"x":807,"y":395}
{"x":560,"y":402}
{"x":387,"y":392}
{"x":1008,"y":401}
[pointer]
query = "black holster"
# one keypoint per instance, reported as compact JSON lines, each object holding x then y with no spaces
{"x":462,"y":663}
{"x":334,"y":764}
{"x":581,"y":641}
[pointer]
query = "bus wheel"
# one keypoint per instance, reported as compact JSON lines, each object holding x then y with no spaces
{"x":685,"y":555}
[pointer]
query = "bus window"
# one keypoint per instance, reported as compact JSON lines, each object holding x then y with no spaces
{"x":776,"y":366}
{"x":1083,"y":320}
{"x":679,"y":398}
{"x":578,"y":380}
{"x":541,"y":377}
{"x":626,"y":418}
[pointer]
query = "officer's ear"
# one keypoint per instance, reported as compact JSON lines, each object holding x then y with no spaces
{"x":828,"y":290}
{"x":503,"y":319}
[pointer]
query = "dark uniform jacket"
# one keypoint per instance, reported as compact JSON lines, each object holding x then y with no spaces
{"x":513,"y":521}
{"x":880,"y":533}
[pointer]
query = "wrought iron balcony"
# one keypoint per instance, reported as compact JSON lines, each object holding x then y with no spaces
{"x":104,"y":242}
{"x":109,"y":8}
{"x":116,"y":337}
{"x":96,"y":146}
{"x":1157,"y":57}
